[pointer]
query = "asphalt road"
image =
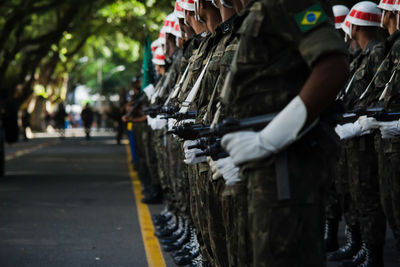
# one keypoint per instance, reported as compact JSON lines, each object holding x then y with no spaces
{"x":70,"y":203}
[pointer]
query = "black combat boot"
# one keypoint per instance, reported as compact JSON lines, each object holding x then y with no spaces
{"x":178,"y":244}
{"x":331,"y":235}
{"x":188,"y":247}
{"x":187,"y":259}
{"x":357,"y":259}
{"x":350,"y":248}
{"x":167,"y":231}
{"x":374,"y":256}
{"x":175,"y":235}
{"x":172,"y":221}
{"x":162,"y":219}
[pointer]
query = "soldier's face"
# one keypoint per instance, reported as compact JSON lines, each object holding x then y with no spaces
{"x":386,"y":20}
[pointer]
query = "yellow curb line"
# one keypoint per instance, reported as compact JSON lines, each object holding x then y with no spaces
{"x":20,"y":153}
{"x":152,"y":247}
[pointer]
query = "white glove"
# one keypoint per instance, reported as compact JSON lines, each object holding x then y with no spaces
{"x":282,"y":131}
{"x":390,"y":129}
{"x":159,"y":123}
{"x":190,"y":154}
{"x":188,"y":121}
{"x":149,"y":121}
{"x":350,"y":130}
{"x":229,"y":171}
{"x":368,"y":123}
{"x":214,"y":168}
{"x":149,"y":91}
{"x":171,"y":124}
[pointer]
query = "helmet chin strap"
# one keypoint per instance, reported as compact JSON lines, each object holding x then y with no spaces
{"x":214,"y":4}
{"x":197,"y":11}
{"x":226,"y":5}
{"x":397,"y":21}
{"x":383,"y":15}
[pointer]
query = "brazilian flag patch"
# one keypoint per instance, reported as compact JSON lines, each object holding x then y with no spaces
{"x":311,"y":17}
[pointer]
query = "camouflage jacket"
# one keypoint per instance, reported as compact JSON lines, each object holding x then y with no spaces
{"x":363,"y":69}
{"x":279,"y":43}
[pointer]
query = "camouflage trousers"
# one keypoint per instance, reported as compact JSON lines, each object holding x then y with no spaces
{"x":215,"y":220}
{"x":234,"y":207}
{"x":363,"y":174}
{"x":159,"y":142}
{"x":333,"y":210}
{"x":343,"y":190}
{"x":197,"y":173}
{"x":140,"y":133}
{"x":287,"y":232}
{"x":389,"y":174}
{"x":150,"y":155}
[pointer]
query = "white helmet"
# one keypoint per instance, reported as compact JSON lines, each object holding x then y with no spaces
{"x":388,"y":5}
{"x":340,"y":12}
{"x":169,"y":23}
{"x":187,"y":5}
{"x":154,"y":45}
{"x":176,"y":30}
{"x":179,"y":11}
{"x":161,"y":37}
{"x":365,"y":13}
{"x":159,"y":57}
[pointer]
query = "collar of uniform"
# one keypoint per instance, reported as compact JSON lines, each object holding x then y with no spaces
{"x":393,"y":37}
{"x":369,"y":47}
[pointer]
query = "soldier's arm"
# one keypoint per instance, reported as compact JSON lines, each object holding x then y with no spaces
{"x":328,"y":76}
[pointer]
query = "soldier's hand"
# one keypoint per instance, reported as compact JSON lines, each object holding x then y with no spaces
{"x":390,"y":129}
{"x":190,"y":154}
{"x":368,"y":123}
{"x":244,"y":146}
{"x":229,"y":171}
{"x":214,"y":168}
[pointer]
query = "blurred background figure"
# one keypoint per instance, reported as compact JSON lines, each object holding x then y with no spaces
{"x":59,"y":120}
{"x":87,"y":116}
{"x":26,"y":122}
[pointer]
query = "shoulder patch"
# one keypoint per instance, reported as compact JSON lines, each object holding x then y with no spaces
{"x":311,"y":17}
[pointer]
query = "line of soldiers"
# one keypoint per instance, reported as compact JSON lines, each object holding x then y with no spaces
{"x":239,"y":132}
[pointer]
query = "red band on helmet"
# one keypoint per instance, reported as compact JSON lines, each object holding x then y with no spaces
{"x":188,"y":1}
{"x":178,"y":7}
{"x":390,"y":2}
{"x":159,"y":57}
{"x":365,"y":16}
{"x":340,"y":19}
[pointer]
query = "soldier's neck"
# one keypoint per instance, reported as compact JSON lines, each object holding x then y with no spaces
{"x":226,"y":13}
{"x":363,"y":41}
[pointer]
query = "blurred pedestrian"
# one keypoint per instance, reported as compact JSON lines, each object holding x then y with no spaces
{"x":26,"y":122}
{"x":87,"y":116}
{"x":59,"y":120}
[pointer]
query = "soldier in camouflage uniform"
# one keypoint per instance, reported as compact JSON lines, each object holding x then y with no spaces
{"x":285,"y":49}
{"x":384,"y":93}
{"x":362,"y":163}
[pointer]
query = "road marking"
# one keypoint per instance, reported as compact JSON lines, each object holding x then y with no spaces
{"x":152,"y":247}
{"x":22,"y":152}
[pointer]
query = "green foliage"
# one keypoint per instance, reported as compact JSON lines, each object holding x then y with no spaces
{"x":43,"y":42}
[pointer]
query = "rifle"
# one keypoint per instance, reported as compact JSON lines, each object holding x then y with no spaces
{"x":231,"y":125}
{"x":181,"y":116}
{"x":214,"y":150}
{"x":136,"y":104}
{"x":210,"y":137}
{"x":152,"y":111}
{"x":380,"y":114}
{"x":188,"y":131}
